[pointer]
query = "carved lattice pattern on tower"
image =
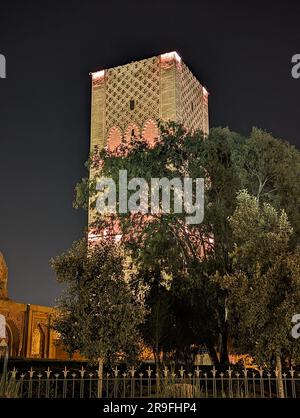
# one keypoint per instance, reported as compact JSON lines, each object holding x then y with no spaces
{"x":191,"y":100}
{"x":138,"y":81}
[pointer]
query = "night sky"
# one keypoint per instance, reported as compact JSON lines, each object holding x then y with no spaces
{"x":242,"y":53}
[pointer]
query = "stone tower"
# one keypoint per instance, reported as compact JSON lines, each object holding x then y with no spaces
{"x":3,"y":277}
{"x":131,"y":98}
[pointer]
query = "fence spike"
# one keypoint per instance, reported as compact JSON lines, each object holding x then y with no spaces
{"x":181,"y":371}
{"x":116,"y":371}
{"x":82,"y":371}
{"x":31,"y":373}
{"x":14,"y":373}
{"x":132,"y":371}
{"x":65,"y":372}
{"x":149,"y":372}
{"x":48,"y":372}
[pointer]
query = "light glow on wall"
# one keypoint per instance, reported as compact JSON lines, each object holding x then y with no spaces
{"x":98,"y":75}
{"x":205,"y":92}
{"x":170,"y":56}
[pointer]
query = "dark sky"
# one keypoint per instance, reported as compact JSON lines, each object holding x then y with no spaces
{"x":241,"y":52}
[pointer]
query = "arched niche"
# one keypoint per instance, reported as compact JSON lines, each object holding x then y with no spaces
{"x":13,"y":338}
{"x":38,"y":342}
{"x":150,"y":131}
{"x":114,"y":138}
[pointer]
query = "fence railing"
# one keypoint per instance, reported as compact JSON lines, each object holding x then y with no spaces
{"x":148,"y":384}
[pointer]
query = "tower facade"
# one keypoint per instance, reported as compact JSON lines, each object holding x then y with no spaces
{"x":131,"y":98}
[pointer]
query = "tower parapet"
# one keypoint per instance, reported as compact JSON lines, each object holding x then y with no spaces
{"x":130,"y":98}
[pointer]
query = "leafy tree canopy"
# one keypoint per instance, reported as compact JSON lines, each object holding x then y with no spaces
{"x":100,"y":312}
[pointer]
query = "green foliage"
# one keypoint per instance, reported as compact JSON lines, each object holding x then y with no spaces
{"x":100,"y":312}
{"x":9,"y":387}
{"x":192,"y":256}
{"x":273,"y":172}
{"x":159,"y":321}
{"x":82,"y":195}
{"x":264,"y":286}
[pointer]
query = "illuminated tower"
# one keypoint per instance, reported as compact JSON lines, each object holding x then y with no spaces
{"x":129,"y":99}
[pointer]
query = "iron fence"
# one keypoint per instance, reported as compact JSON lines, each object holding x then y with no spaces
{"x":148,"y":384}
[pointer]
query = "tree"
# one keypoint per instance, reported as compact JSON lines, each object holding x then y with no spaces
{"x":100,"y":312}
{"x":164,"y":244}
{"x":158,"y":321}
{"x":263,"y":290}
{"x":191,"y":255}
{"x":272,"y":173}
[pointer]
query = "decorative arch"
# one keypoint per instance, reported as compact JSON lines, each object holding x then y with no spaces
{"x":150,"y":131}
{"x":13,"y":338}
{"x":132,"y":131}
{"x":38,"y":342}
{"x":114,"y":138}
